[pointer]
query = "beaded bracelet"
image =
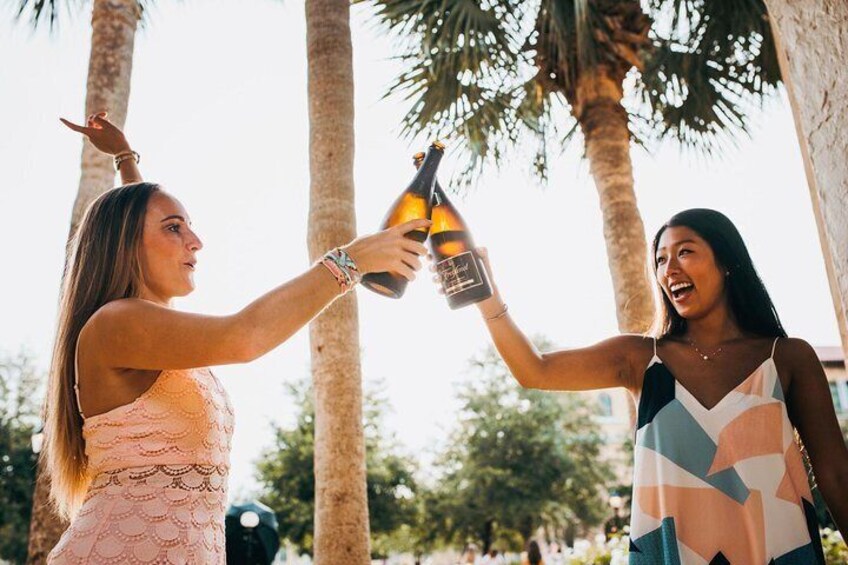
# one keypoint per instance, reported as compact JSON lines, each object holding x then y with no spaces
{"x":125,"y":155}
{"x":342,"y":267}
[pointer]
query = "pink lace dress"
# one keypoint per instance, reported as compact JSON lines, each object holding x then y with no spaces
{"x":159,"y":468}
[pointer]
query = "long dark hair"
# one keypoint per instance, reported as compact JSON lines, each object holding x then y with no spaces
{"x":534,"y":554}
{"x":102,"y":265}
{"x":749,"y":300}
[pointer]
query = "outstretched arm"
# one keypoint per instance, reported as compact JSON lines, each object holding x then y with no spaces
{"x":137,"y":334}
{"x":610,"y":363}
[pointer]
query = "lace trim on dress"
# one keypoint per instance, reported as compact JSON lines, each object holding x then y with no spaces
{"x":192,"y":477}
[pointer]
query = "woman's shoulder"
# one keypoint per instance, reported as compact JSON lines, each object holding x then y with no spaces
{"x":112,"y":317}
{"x":795,"y":352}
{"x":116,"y":313}
{"x":638,"y":347}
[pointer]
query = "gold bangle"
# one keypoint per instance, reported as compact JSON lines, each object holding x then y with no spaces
{"x":501,"y":315}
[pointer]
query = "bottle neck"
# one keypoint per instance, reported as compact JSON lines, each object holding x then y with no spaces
{"x":424,"y":179}
{"x":439,"y":196}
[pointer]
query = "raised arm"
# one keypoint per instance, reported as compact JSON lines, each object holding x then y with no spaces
{"x":109,"y":139}
{"x":137,"y":334}
{"x":812,"y":413}
{"x":610,"y":363}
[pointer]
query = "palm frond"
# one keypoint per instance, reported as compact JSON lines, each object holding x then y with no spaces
{"x":713,"y":62}
{"x":39,"y":11}
{"x":464,"y":72}
{"x":490,"y":75}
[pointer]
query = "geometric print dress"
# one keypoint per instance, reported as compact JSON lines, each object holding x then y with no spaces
{"x":725,"y":485}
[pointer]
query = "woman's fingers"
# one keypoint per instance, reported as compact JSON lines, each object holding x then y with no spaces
{"x":75,"y":127}
{"x":484,"y":255}
{"x":413,"y":246}
{"x":411,"y":225}
{"x":406,"y":271}
{"x":412,"y":260}
{"x":101,"y":122}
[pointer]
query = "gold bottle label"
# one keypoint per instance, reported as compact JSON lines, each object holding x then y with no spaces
{"x":459,"y":273}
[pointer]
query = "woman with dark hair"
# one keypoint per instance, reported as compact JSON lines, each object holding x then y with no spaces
{"x":534,"y":554}
{"x":137,"y":427}
{"x":721,"y":392}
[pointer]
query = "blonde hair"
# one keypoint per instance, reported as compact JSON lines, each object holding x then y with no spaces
{"x":102,"y":265}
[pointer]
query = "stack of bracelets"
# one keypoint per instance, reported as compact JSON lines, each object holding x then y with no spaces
{"x":343,"y":268}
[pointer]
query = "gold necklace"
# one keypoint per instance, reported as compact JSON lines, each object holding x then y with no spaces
{"x":701,"y":354}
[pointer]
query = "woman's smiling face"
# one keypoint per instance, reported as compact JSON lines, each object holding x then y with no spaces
{"x":688,"y":273}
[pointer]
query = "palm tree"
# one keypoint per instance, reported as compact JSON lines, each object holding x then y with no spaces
{"x":496,"y":73}
{"x":113,"y":27}
{"x":341,"y":503}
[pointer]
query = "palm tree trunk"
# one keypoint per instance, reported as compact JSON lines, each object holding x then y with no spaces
{"x":816,"y":80}
{"x":604,"y":123}
{"x":341,"y":503}
{"x":113,"y":27}
{"x":45,"y":526}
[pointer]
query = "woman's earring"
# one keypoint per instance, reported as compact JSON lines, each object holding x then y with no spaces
{"x":727,"y":273}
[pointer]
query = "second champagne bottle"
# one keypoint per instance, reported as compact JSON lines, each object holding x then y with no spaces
{"x":460,"y":269}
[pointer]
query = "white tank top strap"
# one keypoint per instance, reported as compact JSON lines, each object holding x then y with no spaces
{"x":76,"y":379}
{"x":773,"y":347}
{"x":655,"y":358}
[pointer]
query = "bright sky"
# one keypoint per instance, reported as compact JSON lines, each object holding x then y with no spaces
{"x":218,"y":112}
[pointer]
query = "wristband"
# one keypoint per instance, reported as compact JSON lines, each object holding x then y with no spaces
{"x":342,"y":267}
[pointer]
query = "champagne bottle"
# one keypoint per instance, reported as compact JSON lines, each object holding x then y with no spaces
{"x":460,"y":268}
{"x":416,"y":202}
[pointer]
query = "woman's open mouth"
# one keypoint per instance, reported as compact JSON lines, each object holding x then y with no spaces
{"x":679,"y":291}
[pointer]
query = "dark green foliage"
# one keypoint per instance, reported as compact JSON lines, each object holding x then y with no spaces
{"x":517,"y":460}
{"x":286,"y":472}
{"x":713,"y":59}
{"x":19,"y":402}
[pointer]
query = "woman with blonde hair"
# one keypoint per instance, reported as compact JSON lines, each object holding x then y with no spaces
{"x":137,"y":427}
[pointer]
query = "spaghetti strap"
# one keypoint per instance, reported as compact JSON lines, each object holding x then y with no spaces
{"x":76,"y":379}
{"x":655,"y":345}
{"x":773,"y":347}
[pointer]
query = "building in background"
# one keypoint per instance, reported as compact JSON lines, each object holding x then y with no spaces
{"x":833,"y":362}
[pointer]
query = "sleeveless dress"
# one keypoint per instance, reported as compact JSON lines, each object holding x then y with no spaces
{"x":725,"y":485}
{"x":159,"y":468}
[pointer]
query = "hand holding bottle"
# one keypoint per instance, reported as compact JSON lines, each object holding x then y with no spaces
{"x":493,"y":305}
{"x":415,"y":202}
{"x":458,"y":266}
{"x":389,"y":250}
